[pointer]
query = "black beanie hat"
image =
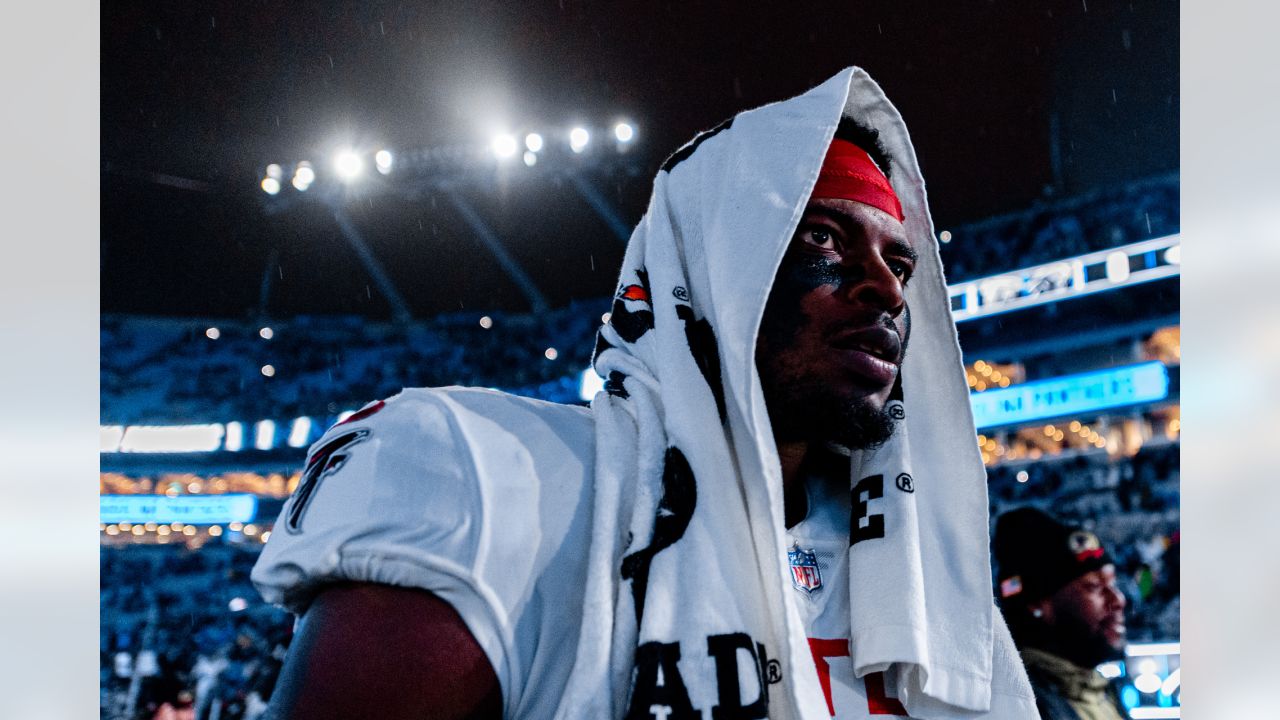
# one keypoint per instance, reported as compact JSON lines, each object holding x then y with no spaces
{"x":1036,"y":555}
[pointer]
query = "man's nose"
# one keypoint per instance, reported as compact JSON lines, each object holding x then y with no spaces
{"x":1115,"y":597}
{"x":876,"y":285}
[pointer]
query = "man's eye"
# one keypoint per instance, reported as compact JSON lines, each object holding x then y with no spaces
{"x":819,"y":237}
{"x":901,"y":269}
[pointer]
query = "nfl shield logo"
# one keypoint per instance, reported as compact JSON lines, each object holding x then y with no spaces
{"x":804,"y":569}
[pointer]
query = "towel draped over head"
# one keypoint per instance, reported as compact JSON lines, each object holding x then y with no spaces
{"x":687,"y":563}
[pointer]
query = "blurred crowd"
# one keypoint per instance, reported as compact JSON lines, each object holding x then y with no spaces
{"x":171,"y":372}
{"x":1052,"y":230}
{"x":185,"y":635}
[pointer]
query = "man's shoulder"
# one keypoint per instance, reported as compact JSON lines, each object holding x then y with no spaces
{"x":511,"y":415}
{"x":431,"y":484}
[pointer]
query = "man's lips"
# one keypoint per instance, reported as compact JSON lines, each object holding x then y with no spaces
{"x":1114,"y":626}
{"x":876,"y":341}
{"x":872,"y":352}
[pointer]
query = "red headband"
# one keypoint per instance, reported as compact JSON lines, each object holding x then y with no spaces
{"x":848,"y":172}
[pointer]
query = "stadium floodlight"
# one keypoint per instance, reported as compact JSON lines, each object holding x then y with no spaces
{"x":303,"y":176}
{"x":269,"y":370}
{"x":270,"y":185}
{"x":383,"y":161}
{"x":274,"y":171}
{"x":530,"y":158}
{"x":624,"y":132}
{"x":348,"y":165}
{"x":578,"y":139}
{"x":533,"y":141}
{"x":213,"y":333}
{"x":266,"y":333}
{"x":551,"y":353}
{"x":504,"y":145}
{"x":945,"y":236}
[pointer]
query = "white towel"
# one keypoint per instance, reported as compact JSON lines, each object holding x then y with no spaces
{"x":686,"y":606}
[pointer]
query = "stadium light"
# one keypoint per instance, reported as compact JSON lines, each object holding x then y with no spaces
{"x":624,"y":132}
{"x":299,"y":431}
{"x":171,"y":438}
{"x":578,"y":139}
{"x":348,"y":165}
{"x":270,"y":185}
{"x":383,"y":161}
{"x":266,"y":333}
{"x":551,"y":353}
{"x":945,"y":236}
{"x":303,"y":176}
{"x":213,"y":333}
{"x":109,"y":437}
{"x":264,"y":435}
{"x":1118,"y":267}
{"x":504,"y":145}
{"x":533,"y":141}
{"x":234,"y":437}
{"x":530,"y":158}
{"x":274,"y":171}
{"x":269,"y":370}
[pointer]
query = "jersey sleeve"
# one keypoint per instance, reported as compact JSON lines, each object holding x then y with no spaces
{"x":388,"y":497}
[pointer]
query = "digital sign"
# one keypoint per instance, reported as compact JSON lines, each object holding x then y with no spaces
{"x":1072,"y":277}
{"x":192,"y":510}
{"x":1071,"y":394}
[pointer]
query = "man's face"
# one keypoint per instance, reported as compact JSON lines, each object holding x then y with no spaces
{"x":836,"y":326}
{"x":1087,"y":618}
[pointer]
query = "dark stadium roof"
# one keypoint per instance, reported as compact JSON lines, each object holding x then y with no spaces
{"x":1005,"y":101}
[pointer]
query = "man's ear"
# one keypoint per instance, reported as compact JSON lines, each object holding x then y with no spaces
{"x":1041,"y":610}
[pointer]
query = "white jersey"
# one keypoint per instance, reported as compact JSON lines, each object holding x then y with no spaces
{"x":820,"y":576}
{"x":391,"y":496}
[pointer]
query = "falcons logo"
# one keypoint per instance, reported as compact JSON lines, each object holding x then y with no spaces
{"x":323,"y":462}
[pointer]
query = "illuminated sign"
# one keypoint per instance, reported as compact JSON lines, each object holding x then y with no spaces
{"x":1069,"y":278}
{"x":192,"y":510}
{"x":1070,"y":394}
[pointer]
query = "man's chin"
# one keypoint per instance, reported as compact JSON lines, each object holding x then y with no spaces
{"x":861,"y":424}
